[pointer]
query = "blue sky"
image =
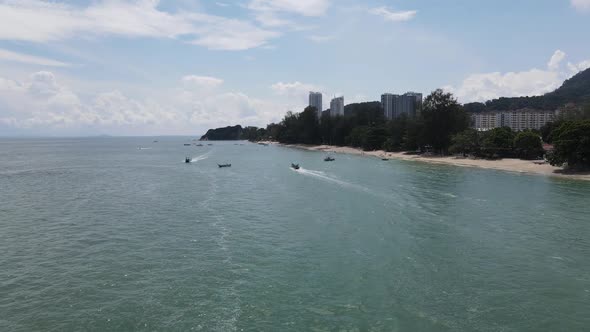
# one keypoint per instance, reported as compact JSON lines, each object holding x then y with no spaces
{"x":148,"y":67}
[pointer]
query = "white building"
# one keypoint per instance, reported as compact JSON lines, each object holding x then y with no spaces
{"x":315,"y":100}
{"x":337,"y":106}
{"x":517,"y":120}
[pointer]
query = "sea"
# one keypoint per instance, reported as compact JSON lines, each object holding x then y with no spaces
{"x":120,"y":234}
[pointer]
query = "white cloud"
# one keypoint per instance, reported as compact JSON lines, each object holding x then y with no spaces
{"x":202,"y":81}
{"x":319,"y":39}
{"x":533,"y":82}
{"x":556,"y":60}
{"x":394,"y":16}
{"x":582,"y":5}
{"x":43,"y":105}
{"x":301,"y":7}
{"x":41,"y":21}
{"x":6,"y":55}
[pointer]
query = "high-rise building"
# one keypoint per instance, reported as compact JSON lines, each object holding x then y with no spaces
{"x":395,"y":105}
{"x":388,"y":102}
{"x":315,"y":100}
{"x":337,"y":106}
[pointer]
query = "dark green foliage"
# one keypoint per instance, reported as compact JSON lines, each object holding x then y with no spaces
{"x":571,"y":143}
{"x":466,"y":142}
{"x":497,"y":142}
{"x":442,"y":117}
{"x":223,"y":134}
{"x":364,"y":114}
{"x":528,"y":145}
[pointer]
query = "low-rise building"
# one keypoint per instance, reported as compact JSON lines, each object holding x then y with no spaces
{"x":517,"y":120}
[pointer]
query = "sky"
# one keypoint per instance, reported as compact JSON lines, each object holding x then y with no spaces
{"x":179,"y":67}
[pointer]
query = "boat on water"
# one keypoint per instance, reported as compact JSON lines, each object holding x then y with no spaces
{"x":187,"y":144}
{"x":328,"y":158}
{"x":385,"y":159}
{"x":199,"y":144}
{"x":224,"y":165}
{"x":263,"y":144}
{"x":295,"y":166}
{"x":187,"y":160}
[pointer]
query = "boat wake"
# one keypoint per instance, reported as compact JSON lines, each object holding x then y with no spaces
{"x":328,"y":178}
{"x":201,"y":157}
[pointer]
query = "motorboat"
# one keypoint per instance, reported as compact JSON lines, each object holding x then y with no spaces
{"x":328,"y":158}
{"x":187,"y":144}
{"x":295,"y":166}
{"x":187,"y":160}
{"x":224,"y":165}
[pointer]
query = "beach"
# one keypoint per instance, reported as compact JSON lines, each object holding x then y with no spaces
{"x":508,"y":164}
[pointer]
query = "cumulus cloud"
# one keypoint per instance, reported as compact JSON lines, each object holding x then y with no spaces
{"x":41,"y":103}
{"x":42,"y":21}
{"x":533,"y":82}
{"x":582,"y":5}
{"x":393,"y":16}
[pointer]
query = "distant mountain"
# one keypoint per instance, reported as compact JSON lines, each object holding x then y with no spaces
{"x":223,"y":134}
{"x":574,"y":90}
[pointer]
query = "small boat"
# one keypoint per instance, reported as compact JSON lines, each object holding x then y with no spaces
{"x":199,"y":144}
{"x":187,"y":144}
{"x":295,"y":166}
{"x":328,"y":158}
{"x":187,"y":160}
{"x":155,"y":141}
{"x":263,"y":144}
{"x":224,"y":165}
{"x":384,"y":159}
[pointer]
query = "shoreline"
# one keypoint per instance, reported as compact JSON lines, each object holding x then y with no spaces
{"x":508,"y":164}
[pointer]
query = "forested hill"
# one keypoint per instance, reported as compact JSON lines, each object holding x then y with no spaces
{"x":223,"y":134}
{"x":574,"y":90}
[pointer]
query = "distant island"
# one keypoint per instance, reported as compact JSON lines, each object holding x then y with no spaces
{"x":223,"y":134}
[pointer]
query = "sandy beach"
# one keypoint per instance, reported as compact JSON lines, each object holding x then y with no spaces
{"x":509,"y":165}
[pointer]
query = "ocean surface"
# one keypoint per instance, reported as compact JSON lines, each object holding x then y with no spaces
{"x":98,"y":235}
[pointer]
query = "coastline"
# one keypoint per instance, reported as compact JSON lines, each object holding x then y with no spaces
{"x":508,"y":164}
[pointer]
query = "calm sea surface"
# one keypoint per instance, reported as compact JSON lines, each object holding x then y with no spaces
{"x":97,"y":235}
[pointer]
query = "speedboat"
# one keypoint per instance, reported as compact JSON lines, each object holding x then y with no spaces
{"x":224,"y":165}
{"x":295,"y":166}
{"x":187,"y":144}
{"x":199,"y":144}
{"x":328,"y":158}
{"x":187,"y":160}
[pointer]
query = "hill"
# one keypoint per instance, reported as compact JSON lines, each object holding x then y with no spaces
{"x":223,"y":134}
{"x":574,"y":90}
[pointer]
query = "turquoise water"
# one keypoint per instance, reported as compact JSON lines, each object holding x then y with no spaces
{"x":98,"y":235}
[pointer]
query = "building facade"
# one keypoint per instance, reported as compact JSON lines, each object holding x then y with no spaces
{"x":394,"y":105}
{"x":517,"y":120}
{"x":337,"y":106}
{"x":315,"y":100}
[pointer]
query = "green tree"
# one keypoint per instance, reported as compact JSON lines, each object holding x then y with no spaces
{"x":528,"y":145}
{"x":442,"y":117}
{"x":465,"y":142}
{"x":571,"y":143}
{"x":498,"y":142}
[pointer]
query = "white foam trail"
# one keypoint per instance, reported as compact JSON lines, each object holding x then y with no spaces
{"x":323,"y":176}
{"x":201,"y":157}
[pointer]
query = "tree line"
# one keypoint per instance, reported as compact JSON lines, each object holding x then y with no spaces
{"x":440,"y":127}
